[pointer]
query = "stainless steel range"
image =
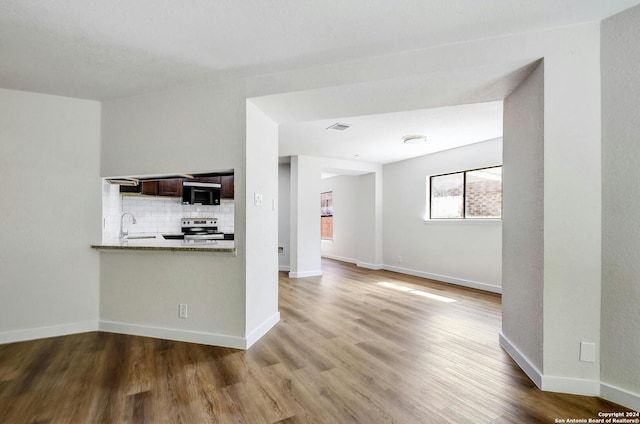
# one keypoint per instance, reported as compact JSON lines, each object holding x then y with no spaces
{"x":200,"y":230}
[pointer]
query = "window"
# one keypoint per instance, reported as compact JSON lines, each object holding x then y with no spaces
{"x":473,"y":194}
{"x":326,"y":215}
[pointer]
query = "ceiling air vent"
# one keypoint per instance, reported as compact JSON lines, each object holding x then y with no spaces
{"x":338,"y":126}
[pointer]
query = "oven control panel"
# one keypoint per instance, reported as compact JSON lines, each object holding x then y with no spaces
{"x":199,"y":222}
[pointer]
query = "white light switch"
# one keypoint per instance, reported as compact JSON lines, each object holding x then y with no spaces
{"x":587,"y":352}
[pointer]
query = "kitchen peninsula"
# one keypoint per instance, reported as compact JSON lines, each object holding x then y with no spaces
{"x":169,"y":261}
{"x":156,"y":242}
{"x":188,"y":212}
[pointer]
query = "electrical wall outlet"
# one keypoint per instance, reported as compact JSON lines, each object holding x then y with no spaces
{"x":258,"y":199}
{"x":182,"y":310}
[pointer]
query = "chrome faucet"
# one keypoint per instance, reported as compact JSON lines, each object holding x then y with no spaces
{"x":133,"y":221}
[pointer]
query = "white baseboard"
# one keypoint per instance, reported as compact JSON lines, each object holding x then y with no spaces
{"x":304,"y":274}
{"x":621,"y":396}
{"x":192,"y":336}
{"x":573,"y":386}
{"x":354,"y":261}
{"x":285,"y":268}
{"x":523,"y":362}
{"x":549,"y":383}
{"x":370,"y":266}
{"x":48,"y":331}
{"x":174,"y":334}
{"x":452,"y":280}
{"x":262,"y":329}
{"x":458,"y":281}
{"x":340,"y":258}
{"x":141,"y":330}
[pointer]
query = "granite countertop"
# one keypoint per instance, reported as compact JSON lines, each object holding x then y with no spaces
{"x":146,"y":241}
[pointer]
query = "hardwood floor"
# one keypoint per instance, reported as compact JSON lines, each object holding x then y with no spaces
{"x":353,"y":346}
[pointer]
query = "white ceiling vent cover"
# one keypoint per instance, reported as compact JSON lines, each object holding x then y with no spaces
{"x":338,"y":126}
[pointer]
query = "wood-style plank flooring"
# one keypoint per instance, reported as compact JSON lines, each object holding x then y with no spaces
{"x":353,"y":346}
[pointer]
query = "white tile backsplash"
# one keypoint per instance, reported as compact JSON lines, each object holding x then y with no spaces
{"x":155,"y":214}
{"x":111,"y":210}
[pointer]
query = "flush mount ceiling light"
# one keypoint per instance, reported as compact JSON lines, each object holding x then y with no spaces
{"x":414,"y":139}
{"x":338,"y":126}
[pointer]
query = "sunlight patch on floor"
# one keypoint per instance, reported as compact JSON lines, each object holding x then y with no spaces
{"x":411,"y":290}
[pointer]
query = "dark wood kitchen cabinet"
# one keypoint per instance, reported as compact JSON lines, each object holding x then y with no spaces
{"x":149,"y":188}
{"x":172,"y":187}
{"x":169,"y":188}
{"x":226,"y":192}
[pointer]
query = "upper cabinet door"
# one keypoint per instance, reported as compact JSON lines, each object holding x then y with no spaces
{"x":172,"y":188}
{"x":150,"y":188}
{"x":226,"y":192}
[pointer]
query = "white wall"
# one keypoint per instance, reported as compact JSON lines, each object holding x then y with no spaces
{"x":572,"y":202}
{"x":370,"y":235}
{"x":523,"y":221}
{"x":51,"y":214}
{"x":200,"y":129}
{"x":347,"y":212}
{"x":467,"y":253}
{"x":304,"y":212}
{"x":262,"y":224}
{"x":358,"y":237}
{"x":620,"y":343}
{"x":571,"y":216}
{"x":140,"y":293}
{"x":284,"y":215}
{"x":357,"y":223}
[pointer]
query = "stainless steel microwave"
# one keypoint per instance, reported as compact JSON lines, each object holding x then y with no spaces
{"x":194,"y":193}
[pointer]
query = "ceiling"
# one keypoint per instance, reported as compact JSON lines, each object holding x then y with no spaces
{"x":450,"y":109}
{"x":97,"y":49}
{"x":378,"y":138}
